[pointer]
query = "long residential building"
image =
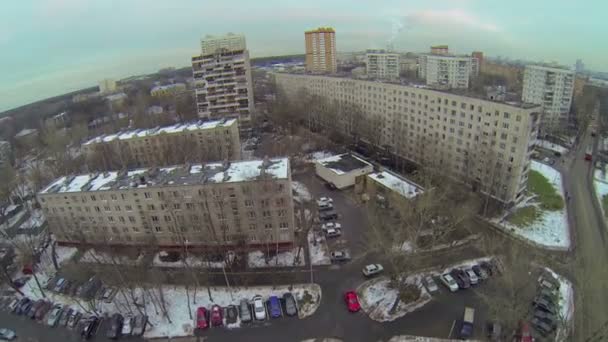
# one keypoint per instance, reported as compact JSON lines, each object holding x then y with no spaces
{"x":553,"y":88}
{"x":247,"y":203}
{"x":188,"y":142}
{"x":321,"y":53}
{"x":485,"y":143}
{"x":222,"y":79}
{"x":382,"y":64}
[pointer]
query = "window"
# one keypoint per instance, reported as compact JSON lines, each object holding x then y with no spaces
{"x":176,"y":206}
{"x":283,"y":225}
{"x":252,"y":226}
{"x":268,"y":226}
{"x":505,"y":125}
{"x":248,"y":203}
{"x":266,"y":213}
{"x":167,"y":218}
{"x":147,"y":195}
{"x":150,"y":206}
{"x":158,"y":229}
{"x":282,"y":212}
{"x":128,"y":208}
{"x":154,"y":218}
{"x":518,"y":118}
{"x":506,"y":115}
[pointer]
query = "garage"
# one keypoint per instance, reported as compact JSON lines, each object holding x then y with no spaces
{"x":341,"y":170}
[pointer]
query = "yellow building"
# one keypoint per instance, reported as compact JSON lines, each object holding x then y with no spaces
{"x":321,"y":51}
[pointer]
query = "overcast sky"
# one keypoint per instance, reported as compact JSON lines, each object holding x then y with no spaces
{"x":49,"y":47}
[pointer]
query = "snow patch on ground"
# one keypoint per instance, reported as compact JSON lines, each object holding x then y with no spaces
{"x":377,"y":298}
{"x":551,"y":146}
{"x":191,"y":261}
{"x":257,"y":259}
{"x":550,"y":230}
{"x":301,"y":192}
{"x":101,"y":257}
{"x":320,"y":155}
{"x":566,"y":305}
{"x":318,"y":250}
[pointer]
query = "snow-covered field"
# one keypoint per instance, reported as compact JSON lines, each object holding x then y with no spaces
{"x":301,"y":192}
{"x":317,"y":247}
{"x":101,"y":257}
{"x":550,"y":230}
{"x":257,"y":259}
{"x":551,"y":146}
{"x":377,"y":298}
{"x":566,"y":305}
{"x":191,"y":261}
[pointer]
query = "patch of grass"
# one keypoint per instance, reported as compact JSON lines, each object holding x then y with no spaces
{"x":605,"y":205}
{"x":548,"y":197}
{"x":524,"y":216}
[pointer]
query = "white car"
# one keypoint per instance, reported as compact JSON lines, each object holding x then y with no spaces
{"x":472,"y":276}
{"x":7,"y":334}
{"x":449,"y":282}
{"x":325,"y":200}
{"x":331,"y":225}
{"x":259,"y":308}
{"x":430,"y":284}
{"x":372,"y":270}
{"x":333,"y":232}
{"x":342,"y":255}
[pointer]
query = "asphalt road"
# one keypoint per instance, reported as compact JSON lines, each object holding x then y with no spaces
{"x":591,"y":245}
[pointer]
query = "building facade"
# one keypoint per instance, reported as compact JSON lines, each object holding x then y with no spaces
{"x":5,"y":153}
{"x":107,"y":86}
{"x":445,"y":71}
{"x":196,"y":141}
{"x":242,"y":204}
{"x":222,"y":78}
{"x":484,"y":143}
{"x":382,"y":64}
{"x":168,"y":90}
{"x":551,"y":87}
{"x":321,"y":51}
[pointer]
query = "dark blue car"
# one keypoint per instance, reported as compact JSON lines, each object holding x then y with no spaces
{"x":274,"y":306}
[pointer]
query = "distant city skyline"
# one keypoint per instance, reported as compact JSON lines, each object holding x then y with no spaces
{"x":50,"y":47}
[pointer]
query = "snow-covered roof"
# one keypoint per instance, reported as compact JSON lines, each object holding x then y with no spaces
{"x":240,"y":171}
{"x":26,"y":131}
{"x":343,"y":163}
{"x":168,"y":86}
{"x":177,"y":128}
{"x":396,"y":183}
{"x":116,"y":97}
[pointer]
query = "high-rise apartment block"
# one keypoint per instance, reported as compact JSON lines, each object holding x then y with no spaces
{"x":484,"y":143}
{"x":246,"y":204}
{"x":444,"y":70}
{"x":5,"y":153}
{"x":222,"y":78}
{"x":382,"y":64}
{"x":179,"y":143}
{"x":321,"y":51}
{"x":552,"y":87}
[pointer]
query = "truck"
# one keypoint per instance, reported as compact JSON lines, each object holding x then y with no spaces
{"x":466,"y":330}
{"x":589,"y":153}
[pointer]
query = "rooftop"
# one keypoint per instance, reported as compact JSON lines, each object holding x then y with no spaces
{"x":168,"y":86}
{"x":397,"y":183}
{"x":177,"y":128}
{"x":115,"y":97}
{"x":343,"y":163}
{"x":240,"y":171}
{"x":321,"y":29}
{"x":26,"y":131}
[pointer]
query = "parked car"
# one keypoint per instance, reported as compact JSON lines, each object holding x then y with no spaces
{"x":42,"y":310}
{"x":7,"y":334}
{"x":89,"y":328}
{"x":54,"y":316}
{"x":115,"y":328}
{"x":274,"y":307}
{"x":472,"y":276}
{"x":325,"y":207}
{"x":217,"y":315}
{"x":430,"y":284}
{"x":19,"y":282}
{"x":291,"y":308}
{"x":231,"y":314}
{"x":202,"y":318}
{"x":544,"y":305}
{"x":449,"y":282}
{"x":245,"y":311}
{"x":31,"y":313}
{"x":340,"y":256}
{"x":24,"y":306}
{"x":486,"y":266}
{"x":333,"y":233}
{"x":139,"y":325}
{"x":545,"y":284}
{"x":480,"y":272}
{"x":127,"y":326}
{"x":259,"y":308}
{"x":372,"y":270}
{"x":331,"y":225}
{"x":468,"y":321}
{"x":542,"y":327}
{"x":74,"y":319}
{"x":524,"y":333}
{"x":65,"y":315}
{"x":325,"y":200}
{"x":328,"y":215}
{"x":546,"y":317}
{"x":461,"y":279}
{"x":352,"y":301}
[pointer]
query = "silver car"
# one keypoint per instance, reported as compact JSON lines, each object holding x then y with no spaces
{"x":7,"y":334}
{"x":245,"y":311}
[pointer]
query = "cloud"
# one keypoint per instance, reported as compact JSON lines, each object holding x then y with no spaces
{"x":455,"y":17}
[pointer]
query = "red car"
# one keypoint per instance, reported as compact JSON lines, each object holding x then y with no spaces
{"x":524,"y":333}
{"x":352,"y":301}
{"x":202,"y":321}
{"x":216,"y":315}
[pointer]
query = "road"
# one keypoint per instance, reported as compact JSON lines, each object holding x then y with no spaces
{"x":591,"y":272}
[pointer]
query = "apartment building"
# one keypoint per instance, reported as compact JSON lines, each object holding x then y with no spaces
{"x":222,"y":78}
{"x":245,"y":203}
{"x":552,"y":87}
{"x":484,"y":143}
{"x":446,"y":70}
{"x":168,"y":90}
{"x":107,"y":86}
{"x":5,"y":153}
{"x":381,"y":64}
{"x":186,"y":142}
{"x":321,"y":51}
